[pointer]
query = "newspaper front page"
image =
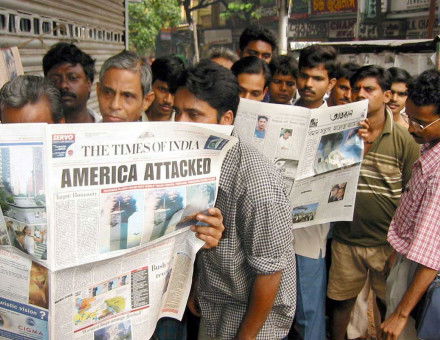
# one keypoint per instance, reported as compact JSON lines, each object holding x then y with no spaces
{"x":108,"y":217}
{"x":317,"y":151}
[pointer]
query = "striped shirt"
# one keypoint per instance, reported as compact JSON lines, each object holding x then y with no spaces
{"x":385,"y":170}
{"x":257,"y":241}
{"x":415,"y":229}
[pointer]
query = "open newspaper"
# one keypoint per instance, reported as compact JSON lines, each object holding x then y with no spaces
{"x":318,"y":152}
{"x":95,"y":235}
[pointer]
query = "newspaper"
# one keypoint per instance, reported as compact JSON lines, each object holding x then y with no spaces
{"x":10,"y":64}
{"x":100,"y":214}
{"x":318,"y":152}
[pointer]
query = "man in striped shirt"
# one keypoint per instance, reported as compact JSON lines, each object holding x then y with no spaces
{"x":360,"y":247}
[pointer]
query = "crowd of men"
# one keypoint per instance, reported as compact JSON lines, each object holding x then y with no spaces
{"x":256,"y":277}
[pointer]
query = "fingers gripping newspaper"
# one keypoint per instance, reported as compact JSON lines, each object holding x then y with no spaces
{"x":95,"y":236}
{"x":318,"y":152}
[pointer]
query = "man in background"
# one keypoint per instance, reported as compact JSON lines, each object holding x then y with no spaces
{"x":223,"y":56}
{"x":72,"y":71}
{"x":282,"y":86}
{"x":341,"y":92}
{"x":400,"y":80}
{"x":258,"y":42}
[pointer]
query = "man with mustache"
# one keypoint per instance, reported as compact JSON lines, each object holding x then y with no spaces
{"x":400,"y":79}
{"x":166,"y":71}
{"x":72,"y":71}
{"x":341,"y":92}
{"x":317,"y":66}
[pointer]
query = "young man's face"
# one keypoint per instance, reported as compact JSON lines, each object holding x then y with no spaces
{"x":369,"y":88}
{"x":189,"y":108}
{"x":282,"y":88}
{"x":120,"y":96}
{"x":38,"y":112}
{"x":341,"y":92}
{"x":258,"y":48}
{"x":262,"y":122}
{"x":313,"y":83}
{"x":163,"y":99}
{"x":252,"y":86}
{"x":423,"y":115}
{"x":73,"y":83}
{"x":399,"y":93}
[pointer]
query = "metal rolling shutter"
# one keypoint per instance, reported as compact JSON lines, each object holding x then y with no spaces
{"x":95,"y":26}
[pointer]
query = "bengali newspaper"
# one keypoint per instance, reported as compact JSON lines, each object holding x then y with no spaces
{"x":318,"y":152}
{"x":95,"y":236}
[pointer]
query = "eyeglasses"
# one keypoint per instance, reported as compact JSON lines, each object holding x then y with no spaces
{"x":420,"y":126}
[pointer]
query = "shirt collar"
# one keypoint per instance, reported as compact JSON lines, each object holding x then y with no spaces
{"x":430,"y":156}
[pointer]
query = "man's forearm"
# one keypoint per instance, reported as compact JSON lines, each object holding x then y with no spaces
{"x":422,"y":279}
{"x":264,"y":292}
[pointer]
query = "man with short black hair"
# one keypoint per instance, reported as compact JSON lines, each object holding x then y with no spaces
{"x":341,"y":92}
{"x":360,"y":248}
{"x":30,"y":99}
{"x":257,"y":41}
{"x":414,"y":232}
{"x":317,"y":65}
{"x":400,"y":80}
{"x":72,"y":71}
{"x":246,"y":286}
{"x":253,"y":76}
{"x":166,"y":71}
{"x":282,"y":86}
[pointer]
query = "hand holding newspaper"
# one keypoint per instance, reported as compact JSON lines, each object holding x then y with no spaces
{"x":96,"y":231}
{"x":318,"y":152}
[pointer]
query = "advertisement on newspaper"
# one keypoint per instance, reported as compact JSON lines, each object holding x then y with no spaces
{"x":317,"y":151}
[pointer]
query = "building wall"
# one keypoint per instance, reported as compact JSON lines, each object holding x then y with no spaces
{"x":95,"y":26}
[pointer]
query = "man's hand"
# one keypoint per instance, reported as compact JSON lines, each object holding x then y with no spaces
{"x":212,"y":230}
{"x":364,"y":131}
{"x":394,"y":325}
{"x":193,"y":305}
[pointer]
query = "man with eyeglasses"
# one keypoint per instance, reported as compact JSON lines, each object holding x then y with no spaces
{"x":415,"y":229}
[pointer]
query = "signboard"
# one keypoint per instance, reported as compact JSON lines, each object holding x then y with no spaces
{"x":308,"y":30}
{"x":333,"y":6}
{"x":393,"y":29}
{"x":218,"y":37}
{"x":341,"y":29}
{"x":368,"y":31}
{"x":299,"y":8}
{"x":408,"y":5}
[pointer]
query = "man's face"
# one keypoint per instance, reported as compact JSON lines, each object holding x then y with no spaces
{"x":252,"y":86}
{"x":282,"y":88}
{"x":258,"y":48}
{"x":120,"y":96}
{"x":313,"y":83}
{"x":163,"y":99}
{"x":341,"y":92}
{"x":287,"y":134}
{"x":369,"y":88}
{"x":423,"y":115}
{"x":262,"y":122}
{"x":38,"y":112}
{"x":73,"y":83}
{"x":399,"y":93}
{"x":191,"y":109}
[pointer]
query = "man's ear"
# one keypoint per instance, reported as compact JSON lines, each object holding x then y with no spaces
{"x":386,"y":96}
{"x":148,"y":100}
{"x":227,"y":118}
{"x":331,"y":84}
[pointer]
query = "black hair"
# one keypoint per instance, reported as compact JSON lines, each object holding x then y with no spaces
{"x":252,"y":65}
{"x":285,"y":65}
{"x":346,"y":70}
{"x":68,"y":53}
{"x":168,"y":69}
{"x":253,"y":33}
{"x":262,"y":116}
{"x":214,"y":84}
{"x":29,"y":89}
{"x":315,"y":55}
{"x":425,"y":89}
{"x":373,"y":71}
{"x":399,"y":75}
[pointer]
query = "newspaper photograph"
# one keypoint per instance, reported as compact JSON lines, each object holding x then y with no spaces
{"x":317,"y":151}
{"x":10,"y":64}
